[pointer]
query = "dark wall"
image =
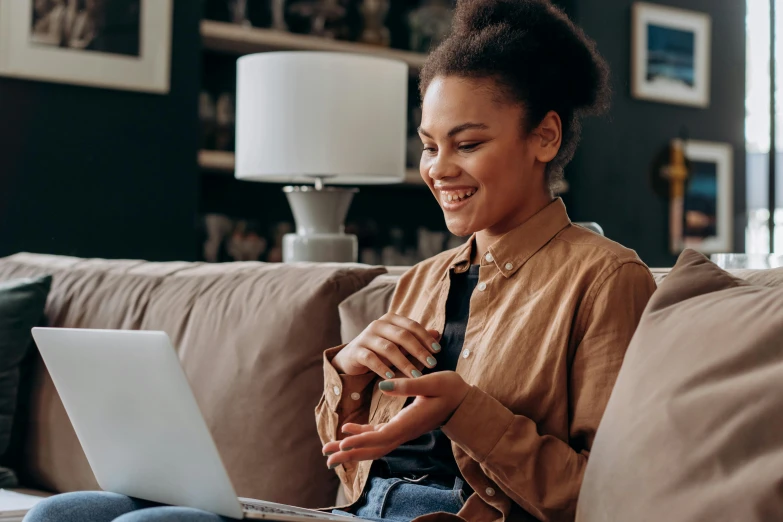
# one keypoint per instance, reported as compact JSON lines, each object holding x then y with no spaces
{"x":610,"y":175}
{"x":96,"y":172}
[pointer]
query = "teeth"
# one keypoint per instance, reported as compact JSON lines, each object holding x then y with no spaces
{"x":459,"y":196}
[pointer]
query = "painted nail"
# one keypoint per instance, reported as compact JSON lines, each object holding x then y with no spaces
{"x":435,"y":347}
{"x":328,"y":453}
{"x":333,"y":466}
{"x":431,"y":361}
{"x":386,"y":385}
{"x":416,"y":373}
{"x":389,"y":375}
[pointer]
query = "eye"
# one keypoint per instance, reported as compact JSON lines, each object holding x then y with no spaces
{"x":467,"y":147}
{"x":429,"y":150}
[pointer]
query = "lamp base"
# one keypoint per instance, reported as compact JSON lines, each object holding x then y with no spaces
{"x":320,"y":248}
{"x":320,"y":234}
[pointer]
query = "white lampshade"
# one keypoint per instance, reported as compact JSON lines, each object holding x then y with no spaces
{"x":303,"y":115}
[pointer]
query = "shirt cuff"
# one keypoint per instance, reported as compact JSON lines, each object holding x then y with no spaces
{"x":478,"y":409}
{"x":344,"y":393}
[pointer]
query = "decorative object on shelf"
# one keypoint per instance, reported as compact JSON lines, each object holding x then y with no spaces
{"x":245,"y":243}
{"x":238,"y":11}
{"x":278,"y":15}
{"x":374,"y":31}
{"x":308,"y":117}
{"x":670,"y":57}
{"x":207,"y":118}
{"x":224,"y":117}
{"x":122,"y":44}
{"x":429,"y":24}
{"x":708,"y":205}
{"x":676,"y":173}
{"x":325,"y":16}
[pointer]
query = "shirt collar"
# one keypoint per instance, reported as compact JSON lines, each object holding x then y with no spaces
{"x":515,"y":247}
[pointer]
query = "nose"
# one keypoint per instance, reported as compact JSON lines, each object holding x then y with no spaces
{"x":442,"y":168}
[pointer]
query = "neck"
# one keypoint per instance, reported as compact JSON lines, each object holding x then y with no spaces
{"x":487,"y":237}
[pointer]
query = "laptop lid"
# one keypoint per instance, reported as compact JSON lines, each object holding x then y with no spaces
{"x":136,"y":418}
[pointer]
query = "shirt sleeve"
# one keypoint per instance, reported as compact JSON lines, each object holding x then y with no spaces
{"x":346,"y":399}
{"x":542,"y":473}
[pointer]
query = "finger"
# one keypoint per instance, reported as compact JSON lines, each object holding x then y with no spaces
{"x":370,"y":360}
{"x":424,"y":336}
{"x":406,"y":340}
{"x":370,"y":439}
{"x":427,"y":386}
{"x":331,"y":448}
{"x":389,"y":350}
{"x":357,"y":456}
{"x":356,"y":429}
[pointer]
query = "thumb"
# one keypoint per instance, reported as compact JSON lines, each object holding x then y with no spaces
{"x":426,"y":386}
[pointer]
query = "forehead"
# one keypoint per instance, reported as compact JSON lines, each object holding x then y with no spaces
{"x":454,"y":100}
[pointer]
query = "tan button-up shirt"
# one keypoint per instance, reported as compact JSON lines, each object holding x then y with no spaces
{"x":550,"y":320}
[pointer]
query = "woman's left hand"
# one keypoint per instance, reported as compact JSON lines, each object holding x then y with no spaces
{"x":437,"y":396}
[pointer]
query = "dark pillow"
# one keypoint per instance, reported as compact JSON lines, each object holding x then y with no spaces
{"x":22,"y":303}
{"x":693,"y":430}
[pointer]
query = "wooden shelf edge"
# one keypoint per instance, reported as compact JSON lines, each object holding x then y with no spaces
{"x":222,"y":161}
{"x":237,"y":39}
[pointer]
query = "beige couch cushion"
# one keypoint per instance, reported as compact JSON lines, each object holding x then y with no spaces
{"x":250,"y":337}
{"x":693,"y":429}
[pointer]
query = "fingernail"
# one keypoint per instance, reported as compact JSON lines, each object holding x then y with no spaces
{"x":333,"y":466}
{"x":329,"y":454}
{"x":431,"y":361}
{"x":386,"y":386}
{"x":435,"y":347}
{"x":389,"y":375}
{"x":416,"y":373}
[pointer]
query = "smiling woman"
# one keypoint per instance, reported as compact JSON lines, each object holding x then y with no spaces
{"x":496,"y":359}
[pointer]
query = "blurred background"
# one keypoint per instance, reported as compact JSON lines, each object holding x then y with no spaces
{"x":117,"y":126}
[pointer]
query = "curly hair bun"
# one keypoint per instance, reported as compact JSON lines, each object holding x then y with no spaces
{"x":525,"y":27}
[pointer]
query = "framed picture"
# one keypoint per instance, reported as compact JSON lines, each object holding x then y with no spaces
{"x":117,"y":44}
{"x":709,"y":196}
{"x":670,"y":56}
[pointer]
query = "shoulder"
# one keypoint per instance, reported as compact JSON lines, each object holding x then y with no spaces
{"x":596,"y":255}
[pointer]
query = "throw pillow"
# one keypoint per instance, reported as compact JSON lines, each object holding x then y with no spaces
{"x":693,"y":429}
{"x":22,"y":304}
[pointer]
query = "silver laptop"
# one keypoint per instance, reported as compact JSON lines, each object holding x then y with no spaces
{"x":138,"y":422}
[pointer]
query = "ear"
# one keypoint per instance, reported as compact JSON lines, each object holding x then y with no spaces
{"x":547,"y":137}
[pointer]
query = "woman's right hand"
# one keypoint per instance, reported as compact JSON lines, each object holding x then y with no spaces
{"x":387,"y":343}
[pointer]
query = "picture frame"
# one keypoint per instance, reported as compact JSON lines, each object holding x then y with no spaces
{"x":114,"y":44}
{"x":670,"y":55}
{"x":709,"y":197}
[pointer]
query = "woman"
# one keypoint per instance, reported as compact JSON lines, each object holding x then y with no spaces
{"x":505,"y":349}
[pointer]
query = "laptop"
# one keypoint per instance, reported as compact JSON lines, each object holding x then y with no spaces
{"x":138,"y":422}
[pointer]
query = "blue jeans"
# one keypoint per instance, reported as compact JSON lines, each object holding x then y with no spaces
{"x":402,"y":500}
{"x":99,"y":506}
{"x":390,"y":500}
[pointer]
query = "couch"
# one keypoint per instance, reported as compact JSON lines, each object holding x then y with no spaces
{"x":250,"y":338}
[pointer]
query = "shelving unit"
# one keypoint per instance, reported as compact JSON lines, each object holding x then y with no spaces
{"x":221,"y":161}
{"x":236,"y":39}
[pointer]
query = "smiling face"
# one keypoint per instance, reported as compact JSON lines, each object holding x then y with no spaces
{"x":485,"y":171}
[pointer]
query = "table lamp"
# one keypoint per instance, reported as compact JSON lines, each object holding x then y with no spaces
{"x":319,"y":119}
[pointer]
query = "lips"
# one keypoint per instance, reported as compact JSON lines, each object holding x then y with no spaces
{"x":452,"y":199}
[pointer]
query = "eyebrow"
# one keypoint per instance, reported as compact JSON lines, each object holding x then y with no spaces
{"x":456,"y":130}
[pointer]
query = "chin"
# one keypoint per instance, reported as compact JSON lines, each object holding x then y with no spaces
{"x":459,"y":228}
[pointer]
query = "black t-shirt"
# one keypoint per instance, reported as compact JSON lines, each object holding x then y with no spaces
{"x":431,"y":453}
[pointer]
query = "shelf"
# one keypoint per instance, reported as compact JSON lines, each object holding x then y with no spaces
{"x":237,"y":39}
{"x":221,"y":161}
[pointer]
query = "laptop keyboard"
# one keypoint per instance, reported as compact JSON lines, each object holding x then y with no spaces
{"x":273,"y":510}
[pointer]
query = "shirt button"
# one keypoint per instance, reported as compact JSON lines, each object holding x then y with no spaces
{"x":490,"y":492}
{"x":465,"y":353}
{"x":336,"y":390}
{"x":509,"y":266}
{"x":482,"y":286}
{"x":489,"y":257}
{"x":355,"y":396}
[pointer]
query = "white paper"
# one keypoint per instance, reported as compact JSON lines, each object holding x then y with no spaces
{"x":12,"y":501}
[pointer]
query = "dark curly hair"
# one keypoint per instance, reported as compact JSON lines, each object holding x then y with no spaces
{"x":538,"y":58}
